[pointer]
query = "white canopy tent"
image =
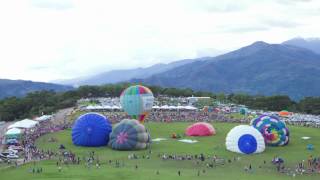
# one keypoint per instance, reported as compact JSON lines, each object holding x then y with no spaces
{"x":24,"y":124}
{"x":172,"y":107}
{"x":115,"y":107}
{"x":43,"y":118}
{"x":190,"y":108}
{"x":166,"y":107}
{"x":155,"y":107}
{"x":104,"y":107}
{"x":90,"y":107}
{"x":13,"y":131}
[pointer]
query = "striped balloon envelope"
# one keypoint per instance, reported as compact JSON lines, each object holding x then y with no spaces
{"x":274,"y":131}
{"x":137,"y":102}
{"x":129,"y":134}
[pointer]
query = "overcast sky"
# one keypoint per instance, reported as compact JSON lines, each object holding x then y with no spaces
{"x":43,"y":40}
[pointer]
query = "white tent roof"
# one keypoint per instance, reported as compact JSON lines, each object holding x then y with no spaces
{"x":90,"y":107}
{"x":115,"y":107}
{"x":180,"y":107}
{"x":13,"y":131}
{"x":44,"y":118}
{"x":155,"y":107}
{"x":164,"y":107}
{"x":190,"y":108}
{"x":26,"y":123}
{"x":172,"y":107}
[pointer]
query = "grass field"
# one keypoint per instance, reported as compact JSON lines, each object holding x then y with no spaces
{"x":147,"y":168}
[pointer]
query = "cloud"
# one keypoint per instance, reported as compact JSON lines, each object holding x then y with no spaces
{"x":280,"y":23}
{"x":226,"y":6}
{"x":53,"y":4}
{"x":39,"y":68}
{"x":243,"y":28}
{"x":60,"y":39}
{"x":292,"y":2}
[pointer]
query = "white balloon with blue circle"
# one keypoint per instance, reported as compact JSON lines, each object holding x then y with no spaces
{"x":245,"y":139}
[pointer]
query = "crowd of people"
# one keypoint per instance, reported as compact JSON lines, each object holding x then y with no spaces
{"x":180,"y":116}
{"x":65,"y":157}
{"x":201,"y":116}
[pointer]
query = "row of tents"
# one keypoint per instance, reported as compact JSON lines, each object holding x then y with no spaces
{"x":115,"y":107}
{"x":16,"y":130}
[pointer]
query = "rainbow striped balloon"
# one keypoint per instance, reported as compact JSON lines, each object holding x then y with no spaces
{"x":137,"y":101}
{"x":272,"y":129}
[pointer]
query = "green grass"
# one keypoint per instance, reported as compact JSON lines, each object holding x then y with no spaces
{"x":294,"y":152}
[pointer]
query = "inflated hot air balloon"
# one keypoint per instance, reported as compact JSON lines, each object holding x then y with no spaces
{"x":137,"y":101}
{"x":200,"y":129}
{"x":91,"y":129}
{"x":245,"y":139}
{"x":273,"y":130}
{"x":129,"y":134}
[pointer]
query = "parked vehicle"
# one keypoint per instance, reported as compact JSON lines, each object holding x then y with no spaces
{"x":3,"y":155}
{"x":18,"y":148}
{"x":12,"y":151}
{"x":12,"y":156}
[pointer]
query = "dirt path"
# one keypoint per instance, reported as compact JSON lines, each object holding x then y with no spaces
{"x":61,"y":116}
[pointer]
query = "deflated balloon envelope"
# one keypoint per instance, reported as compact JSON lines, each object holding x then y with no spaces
{"x":129,"y":135}
{"x":200,"y":129}
{"x":245,"y":139}
{"x":91,"y":129}
{"x":272,"y":129}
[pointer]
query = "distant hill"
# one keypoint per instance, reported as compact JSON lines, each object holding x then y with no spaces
{"x":260,"y":68}
{"x":124,"y":75}
{"x":308,"y":43}
{"x":20,"y":88}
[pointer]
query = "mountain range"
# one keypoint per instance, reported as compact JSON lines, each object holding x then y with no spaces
{"x":312,"y":44}
{"x":124,"y":75}
{"x":20,"y":88}
{"x":259,"y":69}
{"x":290,"y":68}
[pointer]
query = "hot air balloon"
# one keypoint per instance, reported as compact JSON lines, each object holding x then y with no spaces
{"x":200,"y":129}
{"x":273,"y":130}
{"x":91,"y":129}
{"x":245,"y":139}
{"x":129,"y":134}
{"x":137,"y":101}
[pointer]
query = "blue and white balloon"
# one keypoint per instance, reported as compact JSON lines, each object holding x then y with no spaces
{"x":245,"y":139}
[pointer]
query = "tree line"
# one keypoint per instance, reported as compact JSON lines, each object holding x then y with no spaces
{"x":47,"y":102}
